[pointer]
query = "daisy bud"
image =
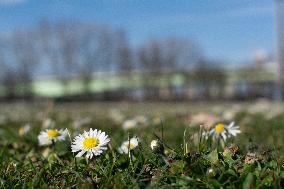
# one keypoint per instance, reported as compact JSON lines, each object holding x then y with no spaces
{"x":157,"y":147}
{"x":211,"y":172}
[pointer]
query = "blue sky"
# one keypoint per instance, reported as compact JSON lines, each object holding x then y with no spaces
{"x":229,"y":30}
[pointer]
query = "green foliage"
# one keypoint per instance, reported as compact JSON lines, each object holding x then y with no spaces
{"x":23,"y":164}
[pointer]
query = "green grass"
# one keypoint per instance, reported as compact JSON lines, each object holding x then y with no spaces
{"x":203,"y":164}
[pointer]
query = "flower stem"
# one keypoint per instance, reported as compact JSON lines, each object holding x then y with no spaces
{"x":129,"y":153}
{"x":53,"y":145}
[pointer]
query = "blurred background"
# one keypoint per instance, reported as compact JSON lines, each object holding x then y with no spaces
{"x":133,"y":50}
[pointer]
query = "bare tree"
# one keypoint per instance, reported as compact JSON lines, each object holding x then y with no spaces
{"x":67,"y":37}
{"x":163,"y":59}
{"x":210,"y":76}
{"x":25,"y":59}
{"x":179,"y":56}
{"x":125,"y":63}
{"x":90,"y":54}
{"x":150,"y":59}
{"x":8,"y":78}
{"x":60,"y":47}
{"x":124,"y":54}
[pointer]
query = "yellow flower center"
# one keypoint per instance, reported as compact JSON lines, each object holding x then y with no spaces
{"x":219,"y":128}
{"x":89,"y":143}
{"x":52,"y":133}
{"x":22,"y":131}
{"x":130,"y":146}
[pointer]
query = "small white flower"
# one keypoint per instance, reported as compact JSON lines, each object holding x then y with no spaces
{"x":92,"y":142}
{"x":140,"y":119}
{"x":116,"y":116}
{"x":154,"y":144}
{"x":157,"y":120}
{"x":219,"y":131}
{"x":225,"y":131}
{"x":24,"y":130}
{"x":129,"y":124}
{"x":77,"y":124}
{"x":157,"y":146}
{"x":129,"y":145}
{"x":46,"y":137}
{"x":48,"y":123}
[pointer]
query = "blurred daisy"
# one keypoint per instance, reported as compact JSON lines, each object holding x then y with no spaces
{"x":128,"y":145}
{"x":81,"y":122}
{"x":116,"y":116}
{"x":48,"y":123}
{"x":129,"y":124}
{"x":140,"y":119}
{"x":219,"y":131}
{"x":24,"y":130}
{"x":51,"y":135}
{"x":157,"y":146}
{"x":157,"y":120}
{"x":225,"y":131}
{"x":92,"y":142}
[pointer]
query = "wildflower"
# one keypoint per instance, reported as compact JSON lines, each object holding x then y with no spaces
{"x":24,"y":130}
{"x":225,"y":131}
{"x":92,"y":142}
{"x":129,"y":145}
{"x":80,"y":122}
{"x":48,"y":123}
{"x":229,"y":114}
{"x":141,"y":119}
{"x":51,"y":135}
{"x":211,"y":172}
{"x":129,"y":124}
{"x":157,"y":120}
{"x":157,"y":146}
{"x":116,"y":116}
{"x":219,"y":131}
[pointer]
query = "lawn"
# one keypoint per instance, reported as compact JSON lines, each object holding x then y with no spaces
{"x":151,"y":145}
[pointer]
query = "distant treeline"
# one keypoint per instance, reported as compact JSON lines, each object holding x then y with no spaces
{"x":68,"y":50}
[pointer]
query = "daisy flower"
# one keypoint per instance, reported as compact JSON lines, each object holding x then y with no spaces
{"x":129,"y":145}
{"x":48,"y":123}
{"x":225,"y":131}
{"x":157,"y":146}
{"x":129,"y":124}
{"x":92,"y":142}
{"x":219,"y":131}
{"x":51,"y":135}
{"x":24,"y":130}
{"x":116,"y":116}
{"x":77,"y":124}
{"x":140,"y":119}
